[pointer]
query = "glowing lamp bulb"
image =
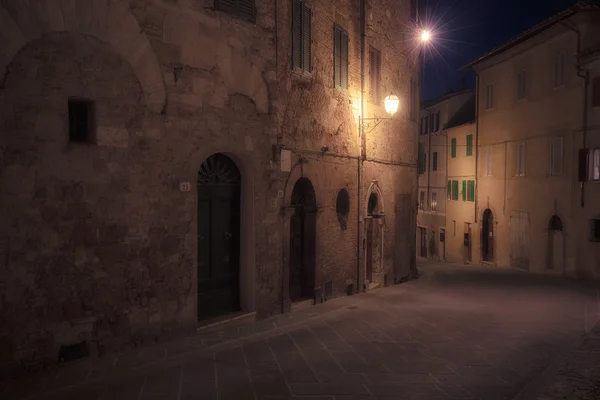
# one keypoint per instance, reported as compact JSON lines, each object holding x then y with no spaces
{"x":391,"y":104}
{"x":425,"y":36}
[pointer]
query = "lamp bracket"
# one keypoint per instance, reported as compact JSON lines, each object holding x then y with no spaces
{"x":369,"y":124}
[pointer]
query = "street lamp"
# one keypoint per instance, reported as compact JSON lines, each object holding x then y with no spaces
{"x":390,"y":103}
{"x":425,"y":35}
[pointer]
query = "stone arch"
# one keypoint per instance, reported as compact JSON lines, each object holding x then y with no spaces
{"x":247,"y":265}
{"x":242,"y":76}
{"x":108,"y":20}
{"x":374,"y":236}
{"x":376,"y":190}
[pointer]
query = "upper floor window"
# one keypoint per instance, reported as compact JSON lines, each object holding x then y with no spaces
{"x":453,"y":148}
{"x":469,"y":145}
{"x":434,"y":201}
{"x":595,"y":170}
{"x":301,"y":36}
{"x":556,"y":156}
{"x":437,"y":121}
{"x":489,"y":96}
{"x":434,"y":161}
{"x":487,"y":161}
{"x":374,"y":75}
{"x":340,"y":58}
{"x":425,"y":125}
{"x":520,"y":157}
{"x":243,"y":9}
{"x":432,"y":122}
{"x":558,"y":70}
{"x":521,"y":85}
{"x":81,"y":120}
{"x":422,"y":200}
{"x":596,"y":92}
{"x":422,"y":162}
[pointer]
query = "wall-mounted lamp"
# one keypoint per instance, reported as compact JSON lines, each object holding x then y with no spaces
{"x":391,"y":104}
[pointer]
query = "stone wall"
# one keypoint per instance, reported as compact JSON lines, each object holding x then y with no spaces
{"x":98,"y":242}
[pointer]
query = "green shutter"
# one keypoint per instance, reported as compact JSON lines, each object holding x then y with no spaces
{"x":464,"y":190}
{"x":454,"y":190}
{"x":469,"y":145}
{"x":449,"y":190}
{"x":453,"y":148}
{"x":472,"y":191}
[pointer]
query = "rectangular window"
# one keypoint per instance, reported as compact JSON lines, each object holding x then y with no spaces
{"x":520,"y":157}
{"x":464,"y":191}
{"x":487,"y":161}
{"x":454,"y":190}
{"x":434,"y":167}
{"x":426,"y":125}
{"x":432,"y":122}
{"x":301,"y":36}
{"x":521,"y":85}
{"x":374,"y":75}
{"x":489,"y":97}
{"x":422,"y":162}
{"x":437,"y":121}
{"x":81,"y":120}
{"x":471,"y":191}
{"x":556,"y":156}
{"x":595,"y":170}
{"x":558,"y":70}
{"x":449,"y":194}
{"x":596,"y":92}
{"x":340,"y":58}
{"x":433,"y":201}
{"x":595,"y":230}
{"x":422,"y":200}
{"x":243,"y":9}
{"x":469,"y":145}
{"x":453,"y":148}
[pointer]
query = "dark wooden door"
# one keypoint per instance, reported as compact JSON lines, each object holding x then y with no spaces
{"x":369,"y":250}
{"x":296,"y":255}
{"x":219,"y":243}
{"x":487,"y":237}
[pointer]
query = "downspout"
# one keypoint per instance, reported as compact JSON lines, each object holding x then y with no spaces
{"x":586,"y":81}
{"x":429,"y":163}
{"x":363,"y":142}
{"x":476,"y":188}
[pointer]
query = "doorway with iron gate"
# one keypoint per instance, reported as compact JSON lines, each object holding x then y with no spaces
{"x":218,"y":191}
{"x":487,"y":236}
{"x":303,"y":225}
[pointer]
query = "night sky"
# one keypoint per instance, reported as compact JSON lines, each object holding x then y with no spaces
{"x":467,"y":29}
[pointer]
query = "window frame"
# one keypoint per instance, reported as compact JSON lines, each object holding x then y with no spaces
{"x":522,"y":84}
{"x":469,"y":150}
{"x":595,"y":164}
{"x":433,"y":201}
{"x":304,"y":64}
{"x":434,"y":161}
{"x":339,"y":62}
{"x":520,"y":157}
{"x":558,"y":70}
{"x":487,"y":161}
{"x":234,"y":9}
{"x":453,"y":148}
{"x":422,"y":200}
{"x":374,"y":76}
{"x":595,"y":97}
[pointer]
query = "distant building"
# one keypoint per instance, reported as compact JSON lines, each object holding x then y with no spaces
{"x":436,"y":117}
{"x":538,"y":160}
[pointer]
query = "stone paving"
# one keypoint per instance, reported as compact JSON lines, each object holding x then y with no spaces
{"x":457,"y":333}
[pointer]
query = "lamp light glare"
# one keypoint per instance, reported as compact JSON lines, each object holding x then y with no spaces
{"x":425,"y":36}
{"x":391,"y":104}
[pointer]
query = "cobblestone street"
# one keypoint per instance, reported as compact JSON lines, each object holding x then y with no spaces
{"x":456,"y":333}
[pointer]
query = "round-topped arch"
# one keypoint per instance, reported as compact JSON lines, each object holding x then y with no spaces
{"x":108,"y":20}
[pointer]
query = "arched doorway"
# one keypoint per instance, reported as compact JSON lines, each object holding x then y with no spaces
{"x":303,"y":225}
{"x":219,"y":183}
{"x":373,"y":236}
{"x":487,"y":236}
{"x":555,"y":243}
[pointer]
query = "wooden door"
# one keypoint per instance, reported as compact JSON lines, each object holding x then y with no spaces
{"x":218,"y":237}
{"x":519,"y":239}
{"x":369,"y":250}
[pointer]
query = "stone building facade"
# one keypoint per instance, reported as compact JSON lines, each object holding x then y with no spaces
{"x":437,"y":117}
{"x":537,"y":171}
{"x":157,"y":156}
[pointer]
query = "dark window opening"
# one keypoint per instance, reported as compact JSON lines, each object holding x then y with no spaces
{"x":435,"y":161}
{"x":243,"y":9}
{"x":301,"y":36}
{"x":596,"y":92}
{"x":595,"y":230}
{"x":372,"y":207}
{"x":340,"y":58}
{"x":81,"y":120}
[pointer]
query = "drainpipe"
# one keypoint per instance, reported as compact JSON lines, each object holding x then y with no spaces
{"x":476,"y":188}
{"x":363,"y":140}
{"x":585,"y":75}
{"x":429,"y":157}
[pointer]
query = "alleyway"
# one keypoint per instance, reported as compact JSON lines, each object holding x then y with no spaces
{"x":456,"y":333}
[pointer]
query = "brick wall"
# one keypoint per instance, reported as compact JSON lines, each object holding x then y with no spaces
{"x":98,"y":241}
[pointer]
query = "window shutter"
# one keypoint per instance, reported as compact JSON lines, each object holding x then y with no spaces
{"x":453,"y":149}
{"x":306,"y":38}
{"x":227,"y":6}
{"x":472,"y":191}
{"x":246,"y":9}
{"x":435,"y":160}
{"x":337,"y":57}
{"x":344,"y":60}
{"x":374,"y":74}
{"x":596,"y":92}
{"x":583,"y":165}
{"x":464,"y":190}
{"x":454,"y":190}
{"x":297,"y":34}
